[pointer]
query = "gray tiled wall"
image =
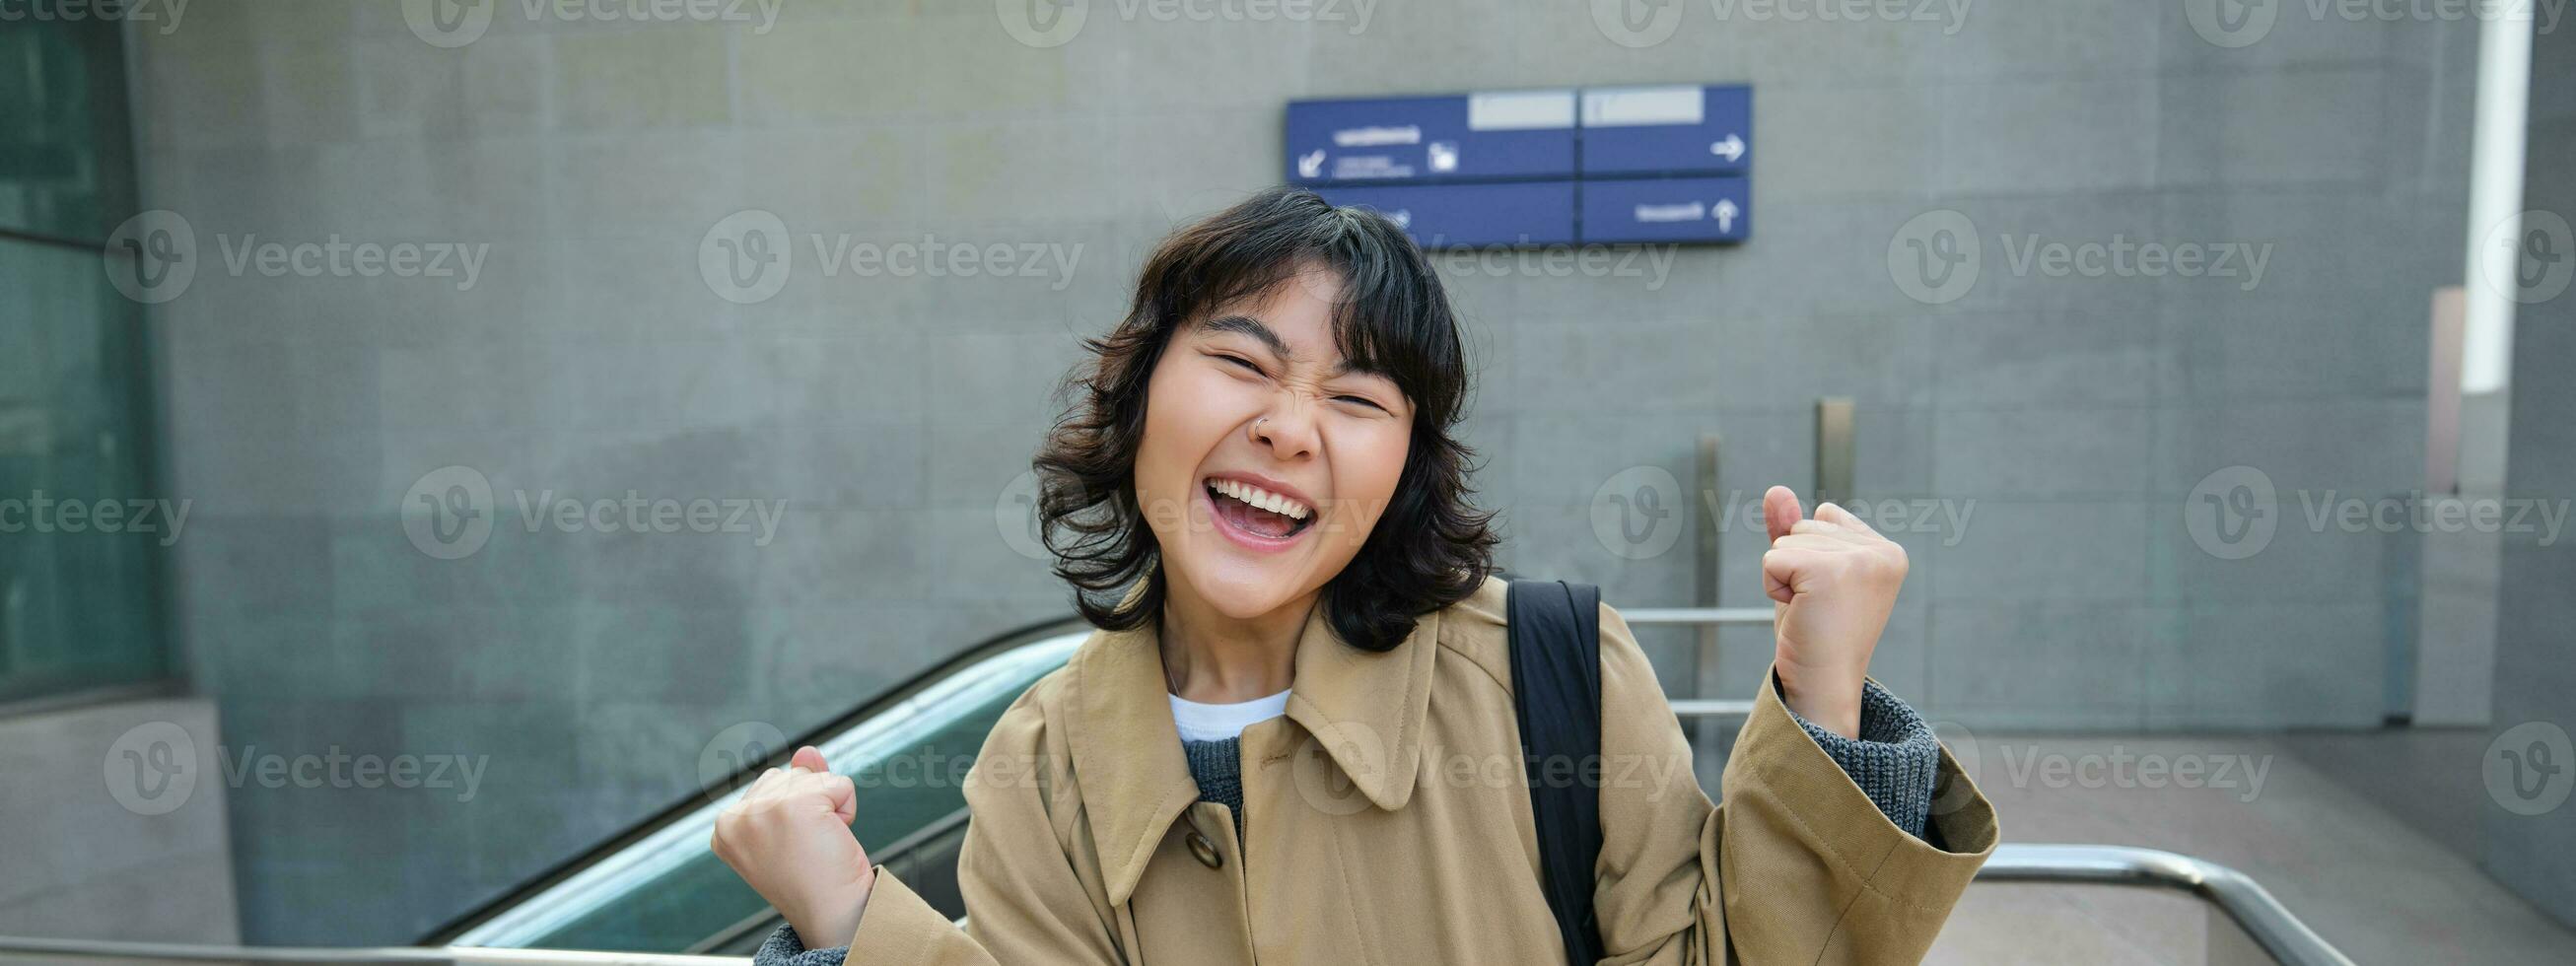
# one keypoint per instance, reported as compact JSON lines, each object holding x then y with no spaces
{"x":2530,"y":845}
{"x":893,"y":415}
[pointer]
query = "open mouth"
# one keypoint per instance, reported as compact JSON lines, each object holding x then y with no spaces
{"x":1257,"y":512}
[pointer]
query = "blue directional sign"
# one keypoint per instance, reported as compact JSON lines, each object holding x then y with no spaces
{"x":1542,"y":167}
{"x":1667,"y":130}
{"x":1680,"y":210}
{"x":1464,"y":137}
{"x":1471,"y":215}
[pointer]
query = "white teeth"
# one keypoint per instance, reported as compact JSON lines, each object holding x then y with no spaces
{"x":1262,"y":498}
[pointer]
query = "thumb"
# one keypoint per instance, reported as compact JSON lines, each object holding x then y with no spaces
{"x":809,"y":758}
{"x":1780,"y":511}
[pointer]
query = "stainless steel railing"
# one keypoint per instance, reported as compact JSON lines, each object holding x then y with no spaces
{"x":2248,"y":925}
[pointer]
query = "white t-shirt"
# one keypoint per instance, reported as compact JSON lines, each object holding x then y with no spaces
{"x":1217,"y":722}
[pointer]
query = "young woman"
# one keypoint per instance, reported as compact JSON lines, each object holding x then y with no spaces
{"x":1292,"y":738}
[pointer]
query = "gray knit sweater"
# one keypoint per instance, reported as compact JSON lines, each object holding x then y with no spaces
{"x":1894,"y":761}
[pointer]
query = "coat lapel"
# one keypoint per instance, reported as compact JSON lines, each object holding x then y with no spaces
{"x":1366,"y":709}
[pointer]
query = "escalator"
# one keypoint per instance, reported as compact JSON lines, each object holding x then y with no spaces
{"x":658,"y":888}
{"x":657,"y":895}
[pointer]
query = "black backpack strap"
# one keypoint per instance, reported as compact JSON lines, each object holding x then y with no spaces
{"x":1556,"y":687}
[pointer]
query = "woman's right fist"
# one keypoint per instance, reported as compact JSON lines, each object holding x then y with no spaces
{"x":788,"y":836}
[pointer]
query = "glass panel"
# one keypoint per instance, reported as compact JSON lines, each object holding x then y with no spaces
{"x":80,"y":536}
{"x":66,"y":161}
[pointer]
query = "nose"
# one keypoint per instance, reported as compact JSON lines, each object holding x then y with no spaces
{"x":1288,"y":429}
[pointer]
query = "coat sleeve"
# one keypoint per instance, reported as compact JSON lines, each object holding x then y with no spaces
{"x":1025,"y":904}
{"x":1800,"y":866}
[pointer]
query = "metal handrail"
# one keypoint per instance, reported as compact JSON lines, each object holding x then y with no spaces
{"x":2271,"y":926}
{"x":2245,"y":902}
{"x":461,"y":955}
{"x":1699,"y":615}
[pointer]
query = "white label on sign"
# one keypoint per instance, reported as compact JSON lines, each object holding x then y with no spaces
{"x":1369,"y":166}
{"x":1687,"y":211}
{"x":1375,"y":137}
{"x":1642,"y":106}
{"x":1520,"y":111}
{"x":1444,"y":156}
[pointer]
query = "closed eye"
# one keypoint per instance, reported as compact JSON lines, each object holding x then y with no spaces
{"x":1370,"y":403}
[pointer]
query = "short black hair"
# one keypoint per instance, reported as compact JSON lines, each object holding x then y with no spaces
{"x":1430,"y":548}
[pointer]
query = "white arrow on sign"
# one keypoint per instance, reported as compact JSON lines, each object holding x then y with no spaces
{"x":1725,"y":213}
{"x":1731,"y":149}
{"x":1311,"y":165}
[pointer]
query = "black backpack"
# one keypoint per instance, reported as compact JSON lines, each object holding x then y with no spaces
{"x":1556,"y":686}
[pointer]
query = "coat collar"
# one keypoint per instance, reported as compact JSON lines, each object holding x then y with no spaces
{"x":1366,"y":709}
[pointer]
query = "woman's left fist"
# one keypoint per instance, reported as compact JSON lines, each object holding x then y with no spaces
{"x":1835,"y":581}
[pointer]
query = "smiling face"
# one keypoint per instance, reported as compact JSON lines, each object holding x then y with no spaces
{"x":1265,"y":462}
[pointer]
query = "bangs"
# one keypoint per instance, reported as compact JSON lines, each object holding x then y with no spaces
{"x":1390,"y":318}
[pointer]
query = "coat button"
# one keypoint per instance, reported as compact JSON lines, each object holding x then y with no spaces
{"x":1205,"y":850}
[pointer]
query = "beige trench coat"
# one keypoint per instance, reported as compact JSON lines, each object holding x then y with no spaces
{"x":1388,"y":822}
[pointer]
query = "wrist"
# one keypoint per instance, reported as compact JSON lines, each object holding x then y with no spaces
{"x":833,"y":922}
{"x":1833,"y":705}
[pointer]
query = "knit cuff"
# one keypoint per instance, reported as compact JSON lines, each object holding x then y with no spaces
{"x":784,"y":948}
{"x":1895,"y":760}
